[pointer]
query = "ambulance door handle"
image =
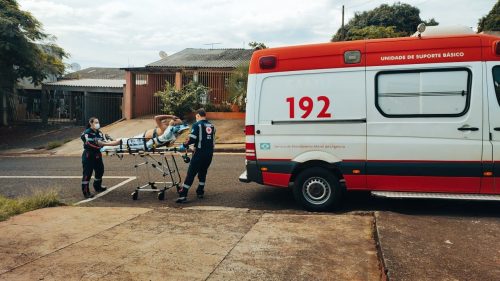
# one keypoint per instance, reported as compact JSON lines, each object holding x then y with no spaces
{"x":497,"y":129}
{"x":258,"y":132}
{"x":468,"y":129}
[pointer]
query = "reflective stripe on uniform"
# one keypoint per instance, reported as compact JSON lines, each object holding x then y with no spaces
{"x":193,"y":136}
{"x":85,"y":182}
{"x":200,"y":135}
{"x":186,"y":186}
{"x":97,"y":179}
{"x":201,"y":183}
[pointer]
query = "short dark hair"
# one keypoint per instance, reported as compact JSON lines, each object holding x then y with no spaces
{"x":91,"y":120}
{"x":201,"y":112}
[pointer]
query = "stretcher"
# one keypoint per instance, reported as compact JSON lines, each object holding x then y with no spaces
{"x":156,"y":155}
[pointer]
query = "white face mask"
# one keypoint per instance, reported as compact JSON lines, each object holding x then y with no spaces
{"x":97,"y":126}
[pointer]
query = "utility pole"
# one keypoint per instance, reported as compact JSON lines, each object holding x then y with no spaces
{"x":342,"y":29}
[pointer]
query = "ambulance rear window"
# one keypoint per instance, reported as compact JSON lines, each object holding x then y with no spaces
{"x":423,"y":93}
{"x":496,"y":81}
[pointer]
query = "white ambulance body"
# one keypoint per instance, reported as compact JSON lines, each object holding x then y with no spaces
{"x":401,"y":117}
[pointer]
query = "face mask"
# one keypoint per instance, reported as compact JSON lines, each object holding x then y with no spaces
{"x":97,"y":126}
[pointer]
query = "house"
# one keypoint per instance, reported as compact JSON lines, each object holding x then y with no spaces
{"x":210,"y":67}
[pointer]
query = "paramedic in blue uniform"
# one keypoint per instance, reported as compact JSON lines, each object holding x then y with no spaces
{"x":202,"y":137}
{"x":93,"y":140}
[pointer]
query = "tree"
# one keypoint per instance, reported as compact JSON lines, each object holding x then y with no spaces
{"x":257,"y":45}
{"x":237,"y":85}
{"x":26,"y":51}
{"x":490,"y":22}
{"x":373,"y":31}
{"x":395,"y":20}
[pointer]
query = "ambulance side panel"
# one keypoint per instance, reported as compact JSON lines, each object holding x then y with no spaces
{"x":304,"y":116}
{"x":425,"y":127}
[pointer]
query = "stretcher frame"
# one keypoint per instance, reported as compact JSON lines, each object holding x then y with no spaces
{"x":156,"y":158}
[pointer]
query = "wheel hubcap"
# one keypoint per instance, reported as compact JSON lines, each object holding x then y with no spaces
{"x":316,"y":190}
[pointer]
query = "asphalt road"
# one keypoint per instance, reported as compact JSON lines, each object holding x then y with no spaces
{"x":223,"y":188}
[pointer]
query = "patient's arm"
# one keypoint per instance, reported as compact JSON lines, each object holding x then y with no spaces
{"x":159,"y":118}
{"x":108,"y":143}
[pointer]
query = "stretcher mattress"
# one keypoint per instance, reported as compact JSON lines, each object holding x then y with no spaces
{"x":139,"y":143}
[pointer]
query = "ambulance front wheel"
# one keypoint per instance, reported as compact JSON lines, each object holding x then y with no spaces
{"x":317,"y":189}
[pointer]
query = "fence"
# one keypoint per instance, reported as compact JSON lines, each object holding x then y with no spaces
{"x":149,"y":83}
{"x":146,"y":86}
{"x":63,"y":107}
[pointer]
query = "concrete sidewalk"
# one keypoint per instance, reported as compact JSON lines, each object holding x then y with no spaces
{"x":69,"y":243}
{"x":430,"y":247}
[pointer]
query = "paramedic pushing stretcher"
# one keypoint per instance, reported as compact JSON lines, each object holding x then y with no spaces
{"x":93,"y":140}
{"x":202,"y":136}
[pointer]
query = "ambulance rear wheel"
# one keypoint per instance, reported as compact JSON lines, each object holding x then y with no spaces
{"x":317,"y":189}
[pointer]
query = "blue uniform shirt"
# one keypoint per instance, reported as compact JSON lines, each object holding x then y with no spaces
{"x":202,"y":135}
{"x":90,"y":139}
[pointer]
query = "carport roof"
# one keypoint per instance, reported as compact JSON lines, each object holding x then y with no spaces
{"x":204,"y":58}
{"x":95,"y":83}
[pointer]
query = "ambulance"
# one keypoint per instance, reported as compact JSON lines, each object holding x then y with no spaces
{"x":400,"y":117}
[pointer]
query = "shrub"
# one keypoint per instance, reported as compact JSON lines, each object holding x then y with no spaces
{"x":184,"y":101}
{"x":210,"y":107}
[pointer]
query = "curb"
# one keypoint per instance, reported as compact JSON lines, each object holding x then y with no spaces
{"x":380,"y":253}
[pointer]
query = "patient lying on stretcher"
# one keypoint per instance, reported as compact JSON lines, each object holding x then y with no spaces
{"x":162,"y":136}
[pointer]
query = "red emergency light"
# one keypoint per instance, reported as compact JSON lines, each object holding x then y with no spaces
{"x":250,"y":143}
{"x":268,"y":62}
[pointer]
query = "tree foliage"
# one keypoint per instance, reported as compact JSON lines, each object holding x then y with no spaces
{"x":395,"y":20}
{"x":490,"y":22}
{"x":25,"y":50}
{"x":237,"y":86}
{"x":184,"y":101}
{"x":257,"y":45}
{"x":374,"y":32}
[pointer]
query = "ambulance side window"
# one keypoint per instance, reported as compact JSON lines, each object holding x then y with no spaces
{"x":496,"y":81}
{"x":423,"y":93}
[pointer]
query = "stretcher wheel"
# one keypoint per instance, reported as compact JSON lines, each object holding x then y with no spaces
{"x":135,"y":195}
{"x":161,"y":195}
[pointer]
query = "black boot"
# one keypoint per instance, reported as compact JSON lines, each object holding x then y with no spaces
{"x":183,"y":192}
{"x":100,"y":188}
{"x":86,"y":192}
{"x":200,"y":191}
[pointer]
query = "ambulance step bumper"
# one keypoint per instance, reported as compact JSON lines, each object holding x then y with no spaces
{"x":390,"y":194}
{"x":244,"y":178}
